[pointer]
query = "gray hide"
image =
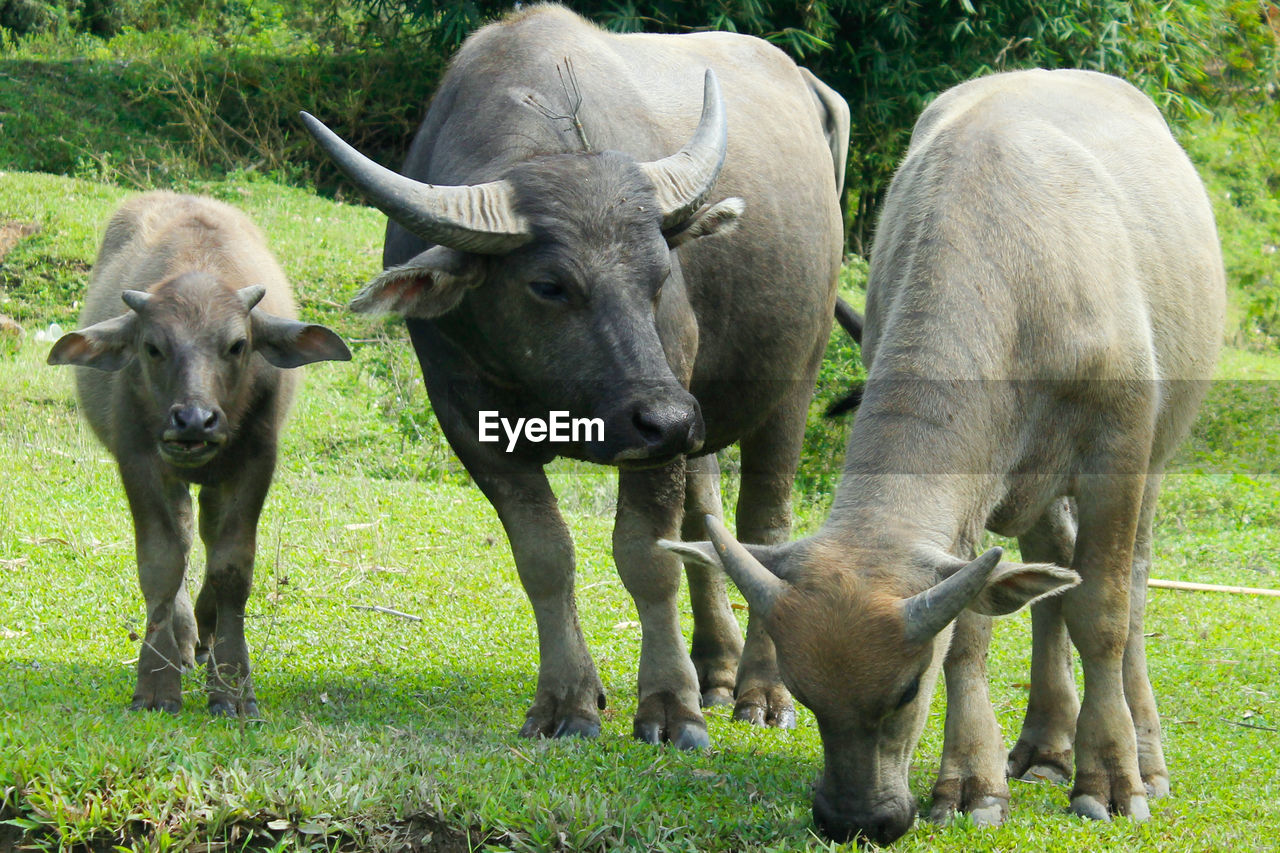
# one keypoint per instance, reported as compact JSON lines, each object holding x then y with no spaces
{"x":596,"y":283}
{"x":1044,"y":309}
{"x":187,"y":323}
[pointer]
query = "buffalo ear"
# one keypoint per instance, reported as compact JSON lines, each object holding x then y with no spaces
{"x":288,"y":343}
{"x":720,"y":217}
{"x":103,"y":346}
{"x":695,"y":553}
{"x":425,"y":286}
{"x":1012,"y":585}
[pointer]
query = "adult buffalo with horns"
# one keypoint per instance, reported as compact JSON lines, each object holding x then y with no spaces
{"x":550,"y":253}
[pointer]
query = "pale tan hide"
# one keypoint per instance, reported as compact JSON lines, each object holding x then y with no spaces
{"x":1044,"y":309}
{"x":188,"y":323}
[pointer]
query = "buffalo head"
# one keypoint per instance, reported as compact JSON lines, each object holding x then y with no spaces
{"x":862,"y":651}
{"x":194,"y":340}
{"x":557,"y":272}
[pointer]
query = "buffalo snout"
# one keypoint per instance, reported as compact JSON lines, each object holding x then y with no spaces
{"x":652,"y":432}
{"x":882,"y":823}
{"x":193,"y":433}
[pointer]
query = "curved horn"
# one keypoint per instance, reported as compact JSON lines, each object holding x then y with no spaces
{"x":926,"y":613}
{"x":251,"y":295}
{"x":479,"y":218}
{"x":138,"y":300}
{"x":759,"y":586}
{"x":685,"y":179}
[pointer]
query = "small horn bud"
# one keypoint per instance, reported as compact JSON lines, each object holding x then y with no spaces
{"x":251,"y":295}
{"x":138,"y":300}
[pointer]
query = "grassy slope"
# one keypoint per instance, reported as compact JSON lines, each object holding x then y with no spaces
{"x":374,"y":720}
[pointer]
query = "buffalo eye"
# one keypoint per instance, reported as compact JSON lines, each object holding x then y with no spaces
{"x":153,"y":351}
{"x":549,"y":290}
{"x":236,"y":348}
{"x":910,"y":693}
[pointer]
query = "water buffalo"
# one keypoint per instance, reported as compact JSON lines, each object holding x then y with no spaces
{"x":550,"y":250}
{"x":188,"y":326}
{"x":1044,"y":306}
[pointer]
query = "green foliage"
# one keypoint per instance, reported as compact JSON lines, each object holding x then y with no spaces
{"x":163,"y":107}
{"x":1239,"y":156}
{"x":889,"y":59}
{"x":822,"y":457}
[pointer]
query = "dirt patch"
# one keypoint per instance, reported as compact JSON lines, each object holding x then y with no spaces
{"x":13,"y":232}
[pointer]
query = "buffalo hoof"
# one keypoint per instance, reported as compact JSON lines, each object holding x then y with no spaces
{"x":1031,"y":763}
{"x":661,"y":718}
{"x":771,"y":707}
{"x":982,"y":801}
{"x":716,"y":674}
{"x":1093,"y":808}
{"x":989,"y":811}
{"x":1157,"y":785}
{"x":230,"y":708}
{"x":142,"y":703}
{"x":549,"y":719}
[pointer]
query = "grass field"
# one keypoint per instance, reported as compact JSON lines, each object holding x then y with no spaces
{"x":384,"y":733}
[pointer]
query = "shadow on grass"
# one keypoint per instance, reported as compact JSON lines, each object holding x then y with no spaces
{"x":457,"y":701}
{"x":438,"y":749}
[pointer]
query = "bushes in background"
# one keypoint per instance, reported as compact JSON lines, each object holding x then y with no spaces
{"x":889,"y":58}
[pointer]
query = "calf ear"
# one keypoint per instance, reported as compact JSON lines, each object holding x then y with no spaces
{"x":1011,"y":585}
{"x":288,"y":343}
{"x":720,"y":217}
{"x":426,"y":286}
{"x":104,"y":346}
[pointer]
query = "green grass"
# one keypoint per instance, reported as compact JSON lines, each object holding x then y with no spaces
{"x":381,"y":732}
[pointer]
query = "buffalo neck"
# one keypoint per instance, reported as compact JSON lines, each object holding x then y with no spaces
{"x":926,"y":457}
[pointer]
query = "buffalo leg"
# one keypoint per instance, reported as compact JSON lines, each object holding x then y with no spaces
{"x":1097,"y":616}
{"x":649,"y":504}
{"x":229,"y":528}
{"x":1044,"y":748}
{"x":971,"y":779}
{"x":569,"y":694}
{"x":770,"y":456}
{"x":162,"y":530}
{"x":1137,"y":686}
{"x":717,"y":639}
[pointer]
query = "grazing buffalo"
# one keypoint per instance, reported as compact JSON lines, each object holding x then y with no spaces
{"x":1045,"y":304}
{"x":188,"y":326}
{"x":551,"y":251}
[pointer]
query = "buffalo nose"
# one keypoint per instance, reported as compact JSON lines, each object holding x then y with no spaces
{"x":194,"y":419}
{"x":669,"y":429}
{"x":882,"y":825}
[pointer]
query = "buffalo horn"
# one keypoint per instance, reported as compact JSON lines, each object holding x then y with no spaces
{"x":927,"y":613}
{"x":479,"y":218}
{"x":138,"y":300}
{"x":759,"y":586}
{"x":685,"y":179}
{"x":251,"y":295}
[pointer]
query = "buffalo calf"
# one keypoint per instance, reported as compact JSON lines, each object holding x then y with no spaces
{"x":188,"y":326}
